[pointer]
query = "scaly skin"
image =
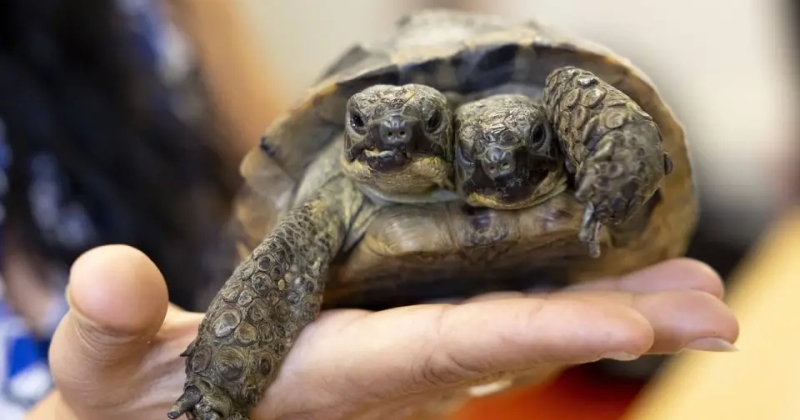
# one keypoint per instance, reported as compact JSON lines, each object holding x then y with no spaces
{"x":613,"y":148}
{"x":270,"y":297}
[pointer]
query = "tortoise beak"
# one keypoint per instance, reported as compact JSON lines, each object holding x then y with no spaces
{"x":511,"y":183}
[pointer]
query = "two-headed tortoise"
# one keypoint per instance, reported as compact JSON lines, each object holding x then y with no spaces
{"x":464,"y":154}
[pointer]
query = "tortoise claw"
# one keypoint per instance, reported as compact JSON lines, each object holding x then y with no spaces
{"x":196,"y":404}
{"x":190,"y":397}
{"x":590,"y":230}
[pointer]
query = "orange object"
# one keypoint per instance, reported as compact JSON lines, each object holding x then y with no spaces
{"x":576,"y":394}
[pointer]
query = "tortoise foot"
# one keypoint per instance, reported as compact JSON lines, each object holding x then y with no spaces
{"x":203,"y":401}
{"x":617,"y":180}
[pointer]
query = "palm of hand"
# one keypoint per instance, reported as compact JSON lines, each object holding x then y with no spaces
{"x":116,"y":355}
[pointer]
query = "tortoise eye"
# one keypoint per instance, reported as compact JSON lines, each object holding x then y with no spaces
{"x":357,"y":122}
{"x":539,"y":134}
{"x":434,"y":122}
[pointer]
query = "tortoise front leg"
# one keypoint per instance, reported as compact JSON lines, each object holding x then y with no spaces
{"x":254,"y":319}
{"x":613,"y":148}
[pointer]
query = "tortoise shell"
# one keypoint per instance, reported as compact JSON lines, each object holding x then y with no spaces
{"x":410,"y":254}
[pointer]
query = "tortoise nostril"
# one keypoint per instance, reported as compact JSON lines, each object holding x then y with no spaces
{"x":495,"y":154}
{"x":499,"y":163}
{"x":395,"y":131}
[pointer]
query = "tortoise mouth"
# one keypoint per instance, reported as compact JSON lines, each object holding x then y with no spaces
{"x":395,"y":159}
{"x":392,"y":143}
{"x":513,"y":190}
{"x":385,"y":160}
{"x":507,"y":191}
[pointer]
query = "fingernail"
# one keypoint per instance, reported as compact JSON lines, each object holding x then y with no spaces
{"x":712,"y":344}
{"x":620,"y":355}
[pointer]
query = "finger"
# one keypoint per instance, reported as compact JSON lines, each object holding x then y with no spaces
{"x":676,"y":274}
{"x":694,"y":320}
{"x":690,"y":315}
{"x":673,"y":275}
{"x":427,"y":346}
{"x":678,"y":318}
{"x":118,"y":300}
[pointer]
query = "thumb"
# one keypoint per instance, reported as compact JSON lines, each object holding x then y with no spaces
{"x":118,"y":301}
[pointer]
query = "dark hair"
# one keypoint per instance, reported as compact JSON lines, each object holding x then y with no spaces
{"x":75,"y":84}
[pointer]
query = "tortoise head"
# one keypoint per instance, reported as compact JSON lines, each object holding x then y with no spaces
{"x":399,"y":139}
{"x":506,"y":153}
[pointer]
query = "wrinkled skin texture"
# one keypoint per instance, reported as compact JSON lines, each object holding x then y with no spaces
{"x":399,"y":141}
{"x":613,"y":148}
{"x":507,"y":155}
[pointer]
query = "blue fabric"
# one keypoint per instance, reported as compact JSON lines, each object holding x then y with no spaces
{"x":24,"y":373}
{"x":26,"y":377}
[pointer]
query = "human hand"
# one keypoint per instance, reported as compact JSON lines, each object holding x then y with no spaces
{"x":116,"y":353}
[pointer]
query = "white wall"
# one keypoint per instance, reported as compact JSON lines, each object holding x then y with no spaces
{"x":723,"y":65}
